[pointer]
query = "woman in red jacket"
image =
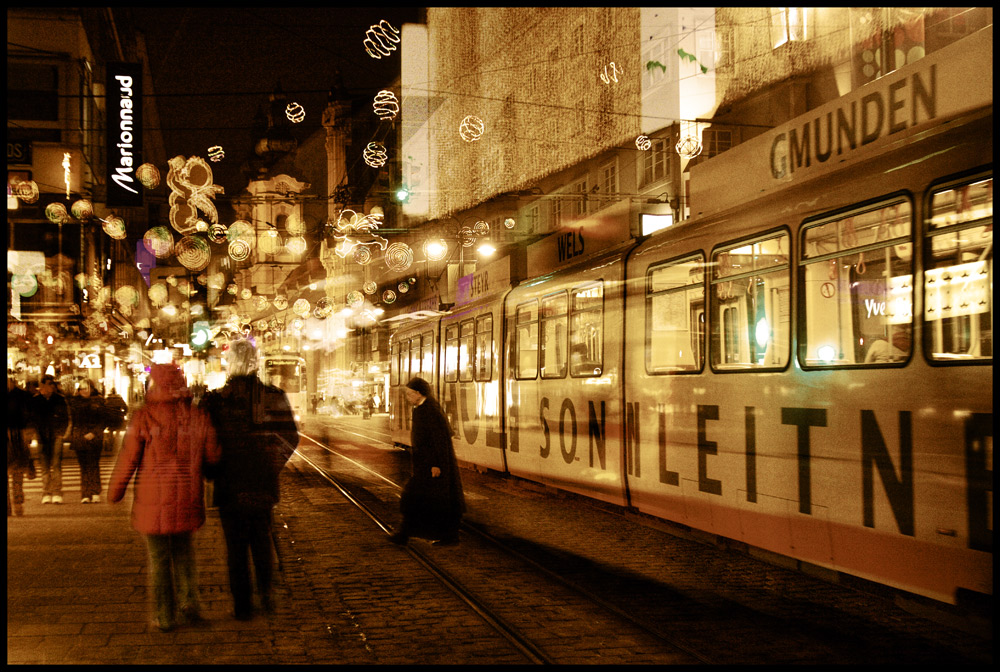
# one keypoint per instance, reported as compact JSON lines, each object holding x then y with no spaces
{"x":167,"y":445}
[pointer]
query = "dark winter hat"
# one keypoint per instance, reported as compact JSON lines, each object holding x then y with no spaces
{"x":420,"y":385}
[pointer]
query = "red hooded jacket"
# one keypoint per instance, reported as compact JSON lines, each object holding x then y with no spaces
{"x":167,"y":444}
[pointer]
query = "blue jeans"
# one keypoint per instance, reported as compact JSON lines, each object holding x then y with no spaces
{"x":171,"y":563}
{"x":51,"y":462}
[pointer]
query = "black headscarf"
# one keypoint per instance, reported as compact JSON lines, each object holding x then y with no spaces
{"x":420,"y":385}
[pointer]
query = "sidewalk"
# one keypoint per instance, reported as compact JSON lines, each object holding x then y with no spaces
{"x":77,"y":594}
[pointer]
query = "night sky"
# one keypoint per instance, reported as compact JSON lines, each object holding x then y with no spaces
{"x":213,"y":68}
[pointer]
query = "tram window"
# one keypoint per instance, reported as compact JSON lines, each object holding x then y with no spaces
{"x":675,"y":316}
{"x":586,"y":331}
{"x":466,"y":342}
{"x":751,"y":304}
{"x":484,"y":347}
{"x":552,"y":326}
{"x":394,"y":360}
{"x":958,"y":274}
{"x":427,"y":356}
{"x":857,"y":287}
{"x":451,"y":353}
{"x":414,"y":357}
{"x":526,"y":341}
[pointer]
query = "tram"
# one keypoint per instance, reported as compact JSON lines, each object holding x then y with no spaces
{"x":805,"y":367}
{"x":287,"y":372}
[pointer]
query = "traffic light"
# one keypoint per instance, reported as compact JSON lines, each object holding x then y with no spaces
{"x":201,"y":336}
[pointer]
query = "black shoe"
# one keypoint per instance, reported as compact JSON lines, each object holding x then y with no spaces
{"x":450,"y":541}
{"x":399,"y":538}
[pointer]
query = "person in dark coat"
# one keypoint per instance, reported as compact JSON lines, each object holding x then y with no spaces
{"x":432,"y":502}
{"x":258,"y":433}
{"x":89,"y":417}
{"x":19,"y":462}
{"x":50,"y":417}
{"x":169,"y":445}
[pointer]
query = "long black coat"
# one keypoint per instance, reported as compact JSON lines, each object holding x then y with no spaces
{"x":257,"y":432}
{"x":432,"y":507}
{"x":89,"y":415}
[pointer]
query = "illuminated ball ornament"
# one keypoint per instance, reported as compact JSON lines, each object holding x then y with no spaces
{"x":159,"y":241}
{"x":403,"y":287}
{"x":148,"y":175}
{"x":296,"y":245}
{"x":481,"y":228}
{"x":280,"y":301}
{"x":509,"y":223}
{"x":398,"y":256}
{"x":217,"y":233}
{"x":688,"y":147}
{"x":56,"y":213}
{"x":260,"y":303}
{"x":245,"y":293}
{"x":467,"y":236}
{"x":324,"y":308}
{"x":239,"y":250}
{"x":643,"y":143}
{"x":362,"y":255}
{"x":82,"y":210}
{"x":388,"y":296}
{"x":355,"y":299}
{"x":216,"y":153}
{"x":193,"y":252}
{"x":25,"y":190}
{"x":295,"y":113}
{"x":471,"y":128}
{"x":386,"y":105}
{"x":301,"y":307}
{"x":375,"y":154}
{"x":381,"y":39}
{"x":115,"y":227}
{"x":370,"y":287}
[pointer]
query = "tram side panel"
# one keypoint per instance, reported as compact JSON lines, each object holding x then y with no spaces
{"x":470,"y":382}
{"x":563,"y":378}
{"x":878,"y":465}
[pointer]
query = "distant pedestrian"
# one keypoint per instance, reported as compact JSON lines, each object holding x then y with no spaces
{"x":168,"y":445}
{"x":19,"y":462}
{"x":432,"y":502}
{"x":50,"y":418}
{"x":89,"y":417}
{"x":257,"y":431}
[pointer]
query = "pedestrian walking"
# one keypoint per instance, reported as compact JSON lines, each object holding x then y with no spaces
{"x":432,"y":502}
{"x":19,"y":462}
{"x":50,"y":418}
{"x":89,"y":417}
{"x":257,"y":432}
{"x":168,"y":445}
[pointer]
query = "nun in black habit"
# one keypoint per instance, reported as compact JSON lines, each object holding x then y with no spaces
{"x":432,"y":502}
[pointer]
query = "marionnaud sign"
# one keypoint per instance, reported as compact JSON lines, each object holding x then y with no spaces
{"x":124,"y":141}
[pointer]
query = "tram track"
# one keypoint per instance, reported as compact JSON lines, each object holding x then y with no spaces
{"x":512,"y":593}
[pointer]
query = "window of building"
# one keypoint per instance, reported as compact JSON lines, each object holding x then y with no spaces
{"x":788,"y":24}
{"x":586,"y":330}
{"x":609,"y":182}
{"x":675,"y":316}
{"x":716,"y":141}
{"x":32,"y":91}
{"x":557,"y":211}
{"x":856,"y":281}
{"x":553,"y":319}
{"x":654,"y":60}
{"x":526,"y":341}
{"x":655,"y":163}
{"x":579,"y":190}
{"x":958,"y":287}
{"x":751,"y":304}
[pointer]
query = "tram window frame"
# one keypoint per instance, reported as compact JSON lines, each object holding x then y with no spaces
{"x":854,"y":232}
{"x":937,"y":228}
{"x":466,"y":349}
{"x":590,"y":346}
{"x":415,"y":358}
{"x":526,"y":325}
{"x":394,"y":363}
{"x":692,"y":318}
{"x":483,"y":367}
{"x":553,"y":334}
{"x":722,"y":333}
{"x":451,"y":347}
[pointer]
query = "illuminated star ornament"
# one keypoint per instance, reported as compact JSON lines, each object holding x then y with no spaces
{"x":381,"y":40}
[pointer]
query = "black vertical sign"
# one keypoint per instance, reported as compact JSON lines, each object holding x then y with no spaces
{"x":124,"y":141}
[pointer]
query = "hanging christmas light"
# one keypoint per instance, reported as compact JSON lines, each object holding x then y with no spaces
{"x":280,"y":301}
{"x":82,"y":210}
{"x":217,"y":233}
{"x":381,"y":39}
{"x":386,"y":105}
{"x":159,"y":241}
{"x":66,"y":171}
{"x":355,"y":299}
{"x":295,"y":113}
{"x":398,"y":257}
{"x":148,"y":175}
{"x":115,"y":227}
{"x":301,"y":307}
{"x":193,"y":252}
{"x":375,"y":154}
{"x":471,"y":128}
{"x":688,"y":147}
{"x":370,"y":287}
{"x":56,"y":213}
{"x":643,"y":143}
{"x":607,"y":79}
{"x":388,"y":296}
{"x":216,"y":153}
